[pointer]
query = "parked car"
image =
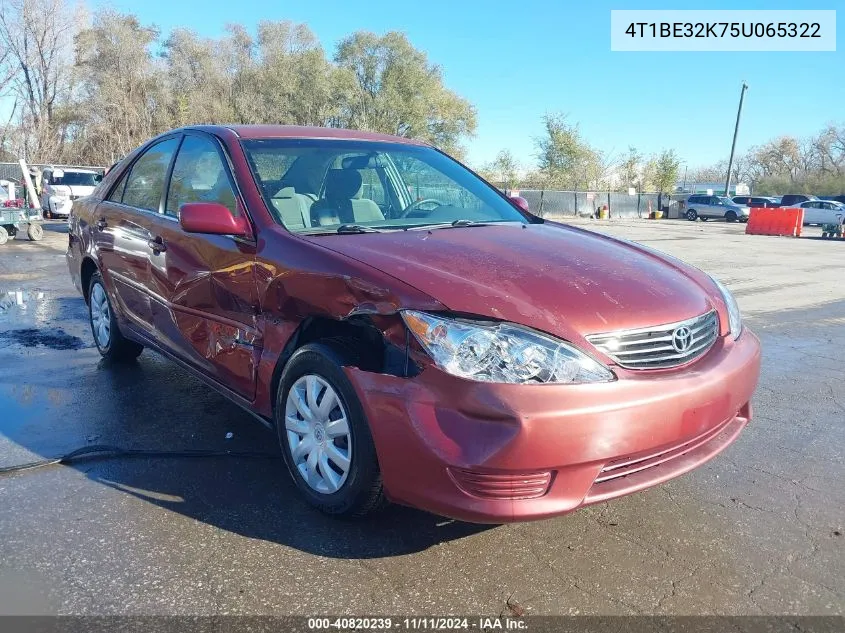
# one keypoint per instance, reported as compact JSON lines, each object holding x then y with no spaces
{"x":793,"y":199}
{"x":410,"y":332}
{"x":834,"y":198}
{"x":61,"y":186}
{"x":755,"y":201}
{"x":711,"y":207}
{"x":822,"y":211}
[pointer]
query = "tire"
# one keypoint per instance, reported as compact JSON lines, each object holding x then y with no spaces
{"x":355,"y":491}
{"x":4,"y":235}
{"x":731,"y":216}
{"x":35,"y":232}
{"x":692,"y":215}
{"x":108,"y":338}
{"x":703,"y":219}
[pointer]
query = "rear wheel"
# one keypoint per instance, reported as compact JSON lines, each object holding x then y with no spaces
{"x":731,"y":216}
{"x":325,"y":436}
{"x":108,"y":338}
{"x":703,"y":219}
{"x":692,"y":216}
{"x":4,"y":235}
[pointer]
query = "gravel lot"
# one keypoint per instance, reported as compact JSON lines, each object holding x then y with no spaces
{"x":756,"y":531}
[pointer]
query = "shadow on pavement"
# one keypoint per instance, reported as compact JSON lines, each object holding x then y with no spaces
{"x":72,"y":399}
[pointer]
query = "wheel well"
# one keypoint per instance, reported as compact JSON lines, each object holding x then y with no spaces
{"x":358,"y":337}
{"x":86,"y":272}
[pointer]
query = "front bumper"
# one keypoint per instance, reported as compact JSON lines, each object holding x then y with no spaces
{"x":493,"y":453}
{"x":60,"y":207}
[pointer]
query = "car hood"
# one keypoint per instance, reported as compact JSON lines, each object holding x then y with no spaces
{"x":557,"y":279}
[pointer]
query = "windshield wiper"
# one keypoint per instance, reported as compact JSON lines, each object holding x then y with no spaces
{"x":356,"y":228}
{"x":454,"y":224}
{"x":463,"y":222}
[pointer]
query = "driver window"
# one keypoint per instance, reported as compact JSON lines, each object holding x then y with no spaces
{"x":199,"y":176}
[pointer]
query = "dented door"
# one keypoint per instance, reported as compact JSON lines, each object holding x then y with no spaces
{"x":206,"y":306}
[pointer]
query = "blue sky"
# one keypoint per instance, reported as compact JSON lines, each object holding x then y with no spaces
{"x":517,"y":60}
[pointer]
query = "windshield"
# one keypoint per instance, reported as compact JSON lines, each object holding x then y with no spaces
{"x":318,"y":186}
{"x":75,"y":179}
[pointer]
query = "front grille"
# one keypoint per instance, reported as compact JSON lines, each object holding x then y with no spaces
{"x":661,"y":346}
{"x":629,"y":465}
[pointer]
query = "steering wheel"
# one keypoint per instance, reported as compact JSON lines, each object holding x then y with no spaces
{"x":418,"y":205}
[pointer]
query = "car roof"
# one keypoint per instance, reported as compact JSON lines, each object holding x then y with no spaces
{"x":77,"y":170}
{"x":255,"y":132}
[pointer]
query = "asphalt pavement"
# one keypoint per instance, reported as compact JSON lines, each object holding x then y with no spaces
{"x":758,"y":530}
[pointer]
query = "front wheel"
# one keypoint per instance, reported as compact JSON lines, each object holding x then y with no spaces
{"x":731,"y":216}
{"x":692,"y":216}
{"x":325,"y":436}
{"x":35,"y":232}
{"x":108,"y":338}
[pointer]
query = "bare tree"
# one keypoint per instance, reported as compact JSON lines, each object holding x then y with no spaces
{"x":37,"y":36}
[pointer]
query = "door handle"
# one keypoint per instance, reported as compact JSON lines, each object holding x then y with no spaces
{"x":102,"y":224}
{"x":156,"y":245}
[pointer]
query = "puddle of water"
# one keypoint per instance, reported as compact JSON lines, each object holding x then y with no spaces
{"x":38,"y":307}
{"x":19,"y":299}
{"x":31,"y":317}
{"x":15,"y":303}
{"x":52,"y":338}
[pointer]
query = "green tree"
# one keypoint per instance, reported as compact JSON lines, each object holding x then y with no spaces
{"x":391,"y":87}
{"x":629,"y":168}
{"x":565,"y":159}
{"x":198,"y":79}
{"x":503,"y":171}
{"x":122,"y":98}
{"x":666,"y":166}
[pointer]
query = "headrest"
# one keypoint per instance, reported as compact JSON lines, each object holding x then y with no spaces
{"x":343,"y":184}
{"x":285,"y":192}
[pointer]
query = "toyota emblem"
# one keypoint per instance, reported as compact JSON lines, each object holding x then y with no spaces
{"x":682,"y":339}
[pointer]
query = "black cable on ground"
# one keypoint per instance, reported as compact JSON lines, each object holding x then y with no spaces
{"x":103,"y":451}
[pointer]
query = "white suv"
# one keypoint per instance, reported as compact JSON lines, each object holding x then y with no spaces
{"x":62,"y":186}
{"x":706,"y":207}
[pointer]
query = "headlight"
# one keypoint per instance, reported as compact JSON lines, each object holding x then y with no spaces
{"x":734,"y":316}
{"x":501,"y":352}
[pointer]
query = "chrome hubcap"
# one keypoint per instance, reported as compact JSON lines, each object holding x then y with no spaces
{"x":100,"y":316}
{"x":318,"y":433}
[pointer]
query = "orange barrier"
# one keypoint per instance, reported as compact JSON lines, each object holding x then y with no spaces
{"x":786,"y":222}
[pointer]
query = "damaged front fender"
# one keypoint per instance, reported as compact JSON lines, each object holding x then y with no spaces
{"x":308,"y":292}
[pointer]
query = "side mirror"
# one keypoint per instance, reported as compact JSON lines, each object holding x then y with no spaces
{"x":210,"y":218}
{"x":520,"y":203}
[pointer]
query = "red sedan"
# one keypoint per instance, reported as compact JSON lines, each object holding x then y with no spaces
{"x":409,"y":332}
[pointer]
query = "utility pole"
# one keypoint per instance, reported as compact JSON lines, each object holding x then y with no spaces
{"x":733,"y":145}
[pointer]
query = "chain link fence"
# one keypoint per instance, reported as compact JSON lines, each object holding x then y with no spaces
{"x":549,"y":203}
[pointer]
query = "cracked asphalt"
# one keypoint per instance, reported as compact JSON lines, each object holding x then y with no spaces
{"x":756,"y":531}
